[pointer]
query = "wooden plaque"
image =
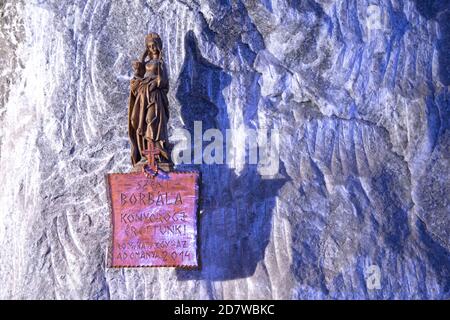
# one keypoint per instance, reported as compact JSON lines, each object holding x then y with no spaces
{"x":154,"y":220}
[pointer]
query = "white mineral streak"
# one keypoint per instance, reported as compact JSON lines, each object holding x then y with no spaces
{"x":357,"y":89}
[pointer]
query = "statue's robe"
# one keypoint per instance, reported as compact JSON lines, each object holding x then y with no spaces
{"x":148,"y":113}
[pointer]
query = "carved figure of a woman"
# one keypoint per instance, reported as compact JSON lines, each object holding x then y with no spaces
{"x":148,"y":110}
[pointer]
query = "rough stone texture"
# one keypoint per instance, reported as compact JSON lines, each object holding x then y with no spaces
{"x":358,"y":89}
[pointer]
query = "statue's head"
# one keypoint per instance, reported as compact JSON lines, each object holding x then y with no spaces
{"x":153,"y":44}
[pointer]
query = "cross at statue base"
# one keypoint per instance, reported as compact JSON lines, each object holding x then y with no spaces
{"x":151,"y":153}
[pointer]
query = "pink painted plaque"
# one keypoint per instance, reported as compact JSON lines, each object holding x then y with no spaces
{"x":154,"y":220}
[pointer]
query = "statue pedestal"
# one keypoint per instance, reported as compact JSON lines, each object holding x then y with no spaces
{"x":164,"y":166}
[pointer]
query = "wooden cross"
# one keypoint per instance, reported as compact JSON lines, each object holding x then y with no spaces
{"x":151,"y":153}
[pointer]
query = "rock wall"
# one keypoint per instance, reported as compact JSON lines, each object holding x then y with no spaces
{"x":359,"y":91}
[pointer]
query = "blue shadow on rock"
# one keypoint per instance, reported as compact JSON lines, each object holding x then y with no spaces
{"x":236,"y":219}
{"x":439,"y":10}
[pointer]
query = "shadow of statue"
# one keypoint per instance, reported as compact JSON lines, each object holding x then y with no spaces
{"x":237,"y":209}
{"x":439,"y":10}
